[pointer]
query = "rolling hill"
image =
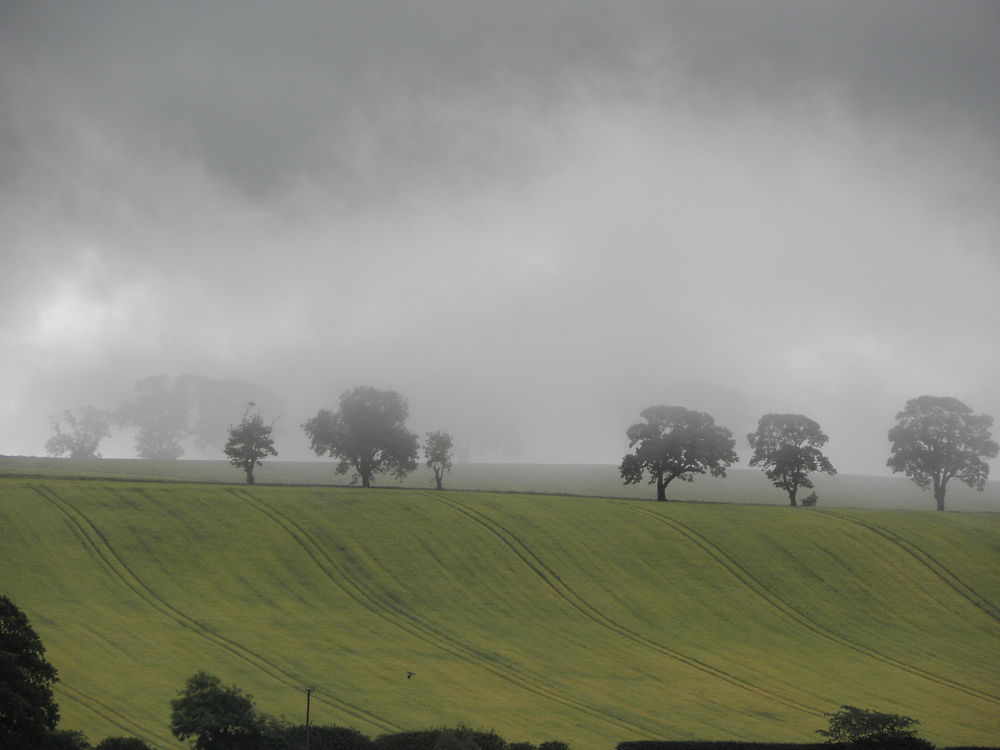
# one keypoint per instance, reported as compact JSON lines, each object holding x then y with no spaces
{"x":581,"y":619}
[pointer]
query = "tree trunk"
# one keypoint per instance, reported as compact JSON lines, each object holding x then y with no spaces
{"x":661,"y":489}
{"x":249,"y":470}
{"x":437,"y":477}
{"x":939,"y":492}
{"x":366,"y":478}
{"x":791,"y":496}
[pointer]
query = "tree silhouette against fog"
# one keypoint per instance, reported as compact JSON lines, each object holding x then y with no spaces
{"x":938,"y":438}
{"x":676,"y":443}
{"x":249,"y":442}
{"x":787,"y":447}
{"x":161,"y":412}
{"x":437,"y":451}
{"x":368,"y":434}
{"x":85,"y":427}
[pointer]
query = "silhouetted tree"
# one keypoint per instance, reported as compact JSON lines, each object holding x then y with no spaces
{"x":437,"y":451}
{"x":863,"y":728}
{"x":676,"y":443}
{"x":280,"y":735}
{"x":67,"y":739}
{"x":28,"y":711}
{"x":787,"y":447}
{"x":122,"y":743}
{"x":368,"y":434}
{"x":214,"y":717}
{"x":85,"y":426}
{"x":249,"y":442}
{"x":938,"y":438}
{"x":160,"y":411}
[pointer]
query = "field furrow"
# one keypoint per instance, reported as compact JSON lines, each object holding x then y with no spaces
{"x":101,"y":548}
{"x":345,"y":579}
{"x":747,"y":578}
{"x":587,"y":610}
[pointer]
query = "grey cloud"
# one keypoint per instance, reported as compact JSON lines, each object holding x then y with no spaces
{"x":532,"y":220}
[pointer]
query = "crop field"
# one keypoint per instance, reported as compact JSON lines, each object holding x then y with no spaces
{"x":588,"y":620}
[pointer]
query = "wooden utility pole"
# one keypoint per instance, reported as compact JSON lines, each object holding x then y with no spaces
{"x":309,"y":692}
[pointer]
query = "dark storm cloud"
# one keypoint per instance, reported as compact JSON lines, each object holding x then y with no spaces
{"x":534,"y":219}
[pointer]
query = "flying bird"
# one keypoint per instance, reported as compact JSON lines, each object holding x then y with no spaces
{"x":409,"y":675}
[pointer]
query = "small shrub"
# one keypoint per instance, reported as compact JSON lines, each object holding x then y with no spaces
{"x":553,"y":745}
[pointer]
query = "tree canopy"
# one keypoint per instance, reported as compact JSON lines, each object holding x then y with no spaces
{"x":85,"y":426}
{"x":160,"y":411}
{"x":249,"y":442}
{"x":938,"y":438}
{"x":676,"y":443}
{"x":368,"y":434}
{"x":862,"y":727}
{"x":787,"y":447}
{"x":28,"y":711}
{"x":213,"y":716}
{"x":437,"y":451}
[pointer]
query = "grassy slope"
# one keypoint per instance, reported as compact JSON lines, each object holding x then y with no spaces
{"x":741,"y":485}
{"x":587,"y":620}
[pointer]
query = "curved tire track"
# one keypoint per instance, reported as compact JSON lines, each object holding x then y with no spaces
{"x":561,"y":589}
{"x":100,"y":548}
{"x":757,"y":587}
{"x":343,"y":578}
{"x":113,"y":717}
{"x":928,"y":561}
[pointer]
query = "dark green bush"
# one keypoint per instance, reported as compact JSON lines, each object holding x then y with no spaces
{"x":122,"y":743}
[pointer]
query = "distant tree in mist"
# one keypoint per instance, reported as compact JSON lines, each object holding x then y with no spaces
{"x":938,"y":438}
{"x":160,"y":411}
{"x":676,"y":443}
{"x":249,"y":442}
{"x":212,"y":403}
{"x":787,"y":447}
{"x":437,"y":451}
{"x":368,"y":434}
{"x":79,"y":432}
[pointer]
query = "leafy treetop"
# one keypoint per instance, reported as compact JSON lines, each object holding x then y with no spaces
{"x":86,"y":427}
{"x":249,"y":442}
{"x":368,"y":434}
{"x":437,"y":451}
{"x":866,"y":728}
{"x":27,"y":708}
{"x":788,"y":447}
{"x":938,"y":438}
{"x":676,"y":443}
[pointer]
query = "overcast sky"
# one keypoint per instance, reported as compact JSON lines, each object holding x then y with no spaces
{"x":533,"y":219}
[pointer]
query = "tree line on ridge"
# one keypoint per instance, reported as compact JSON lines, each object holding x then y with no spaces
{"x":935,"y":438}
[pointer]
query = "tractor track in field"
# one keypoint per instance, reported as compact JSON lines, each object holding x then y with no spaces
{"x":927,"y":560}
{"x":112,"y":716}
{"x":565,"y":592}
{"x":751,"y":582}
{"x":98,"y":546}
{"x":357,"y":590}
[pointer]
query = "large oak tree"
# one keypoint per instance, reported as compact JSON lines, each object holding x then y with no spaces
{"x":368,"y":434}
{"x":676,"y":443}
{"x":787,"y":447}
{"x":938,"y":438}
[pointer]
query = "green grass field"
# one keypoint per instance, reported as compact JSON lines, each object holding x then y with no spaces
{"x":582,"y":619}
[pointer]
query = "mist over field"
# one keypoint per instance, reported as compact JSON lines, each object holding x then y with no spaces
{"x":531,"y":220}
